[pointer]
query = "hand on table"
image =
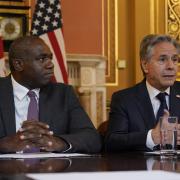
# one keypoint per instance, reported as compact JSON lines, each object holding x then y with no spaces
{"x":156,"y":136}
{"x":39,"y":135}
{"x":32,"y":134}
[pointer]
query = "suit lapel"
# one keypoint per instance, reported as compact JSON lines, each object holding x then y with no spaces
{"x":174,"y":102}
{"x":44,"y":115}
{"x":7,"y":106}
{"x":145,"y":106}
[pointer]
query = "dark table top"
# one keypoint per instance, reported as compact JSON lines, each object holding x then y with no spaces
{"x":16,"y":168}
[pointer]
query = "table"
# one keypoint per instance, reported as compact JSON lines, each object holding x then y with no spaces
{"x":125,"y":161}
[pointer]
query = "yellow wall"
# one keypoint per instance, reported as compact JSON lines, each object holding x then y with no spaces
{"x":136,"y":18}
{"x":82,"y":26}
{"x":113,"y":28}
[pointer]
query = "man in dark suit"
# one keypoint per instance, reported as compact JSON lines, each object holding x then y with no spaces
{"x":62,"y":125}
{"x":133,"y":121}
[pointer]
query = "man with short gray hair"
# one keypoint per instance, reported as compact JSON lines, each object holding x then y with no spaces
{"x":134,"y":113}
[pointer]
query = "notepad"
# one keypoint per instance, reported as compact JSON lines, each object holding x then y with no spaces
{"x":41,"y":155}
{"x":158,"y":153}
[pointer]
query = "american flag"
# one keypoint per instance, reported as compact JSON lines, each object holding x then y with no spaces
{"x":47,"y":24}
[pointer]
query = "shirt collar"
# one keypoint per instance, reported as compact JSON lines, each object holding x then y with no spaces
{"x":20,"y":91}
{"x":153,"y":92}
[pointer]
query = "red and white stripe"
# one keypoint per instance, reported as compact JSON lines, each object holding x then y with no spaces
{"x":55,"y":41}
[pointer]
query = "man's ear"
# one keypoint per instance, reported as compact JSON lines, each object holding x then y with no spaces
{"x":18,"y":64}
{"x":144,"y":65}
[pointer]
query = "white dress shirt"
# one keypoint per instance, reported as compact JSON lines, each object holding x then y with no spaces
{"x":21,"y":101}
{"x":153,"y":92}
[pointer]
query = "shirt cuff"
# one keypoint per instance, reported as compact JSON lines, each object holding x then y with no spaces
{"x":70,"y":147}
{"x":149,"y":141}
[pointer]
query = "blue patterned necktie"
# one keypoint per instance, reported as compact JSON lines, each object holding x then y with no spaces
{"x":163,"y":105}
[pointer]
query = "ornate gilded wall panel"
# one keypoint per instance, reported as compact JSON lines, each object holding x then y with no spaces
{"x":173,"y":20}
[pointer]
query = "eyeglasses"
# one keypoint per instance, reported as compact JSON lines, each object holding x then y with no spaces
{"x":163,"y":59}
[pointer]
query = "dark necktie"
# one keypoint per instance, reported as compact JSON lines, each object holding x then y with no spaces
{"x":162,"y":98}
{"x":33,"y":107}
{"x":32,"y":114}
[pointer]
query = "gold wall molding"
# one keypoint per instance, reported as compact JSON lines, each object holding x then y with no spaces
{"x":16,"y":3}
{"x":103,"y":26}
{"x":112,"y":43}
{"x":154,"y":13}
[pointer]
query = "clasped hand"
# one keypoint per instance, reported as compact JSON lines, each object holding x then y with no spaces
{"x":33,"y":134}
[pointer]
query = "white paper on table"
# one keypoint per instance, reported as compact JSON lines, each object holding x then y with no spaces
{"x":41,"y":155}
{"x":158,"y":153}
{"x":127,"y":175}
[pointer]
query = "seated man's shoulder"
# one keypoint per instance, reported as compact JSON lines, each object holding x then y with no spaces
{"x":58,"y":87}
{"x":2,"y":79}
{"x":126,"y":92}
{"x":5,"y":80}
{"x":177,"y":84}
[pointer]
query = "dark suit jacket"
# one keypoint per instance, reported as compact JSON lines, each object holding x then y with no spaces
{"x":60,"y":109}
{"x":132,"y":116}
